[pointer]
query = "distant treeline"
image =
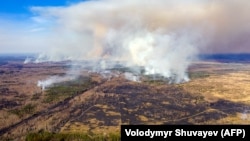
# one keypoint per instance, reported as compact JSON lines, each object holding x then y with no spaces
{"x":5,"y":58}
{"x":227,"y":58}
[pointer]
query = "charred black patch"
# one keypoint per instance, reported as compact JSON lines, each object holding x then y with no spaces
{"x":7,"y":104}
{"x":229,"y":106}
{"x":127,"y":89}
{"x":7,"y":91}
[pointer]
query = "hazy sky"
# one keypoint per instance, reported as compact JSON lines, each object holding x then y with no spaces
{"x":60,"y":25}
{"x":20,"y":30}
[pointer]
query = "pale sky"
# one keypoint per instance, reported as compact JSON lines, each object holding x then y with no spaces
{"x":61,"y":26}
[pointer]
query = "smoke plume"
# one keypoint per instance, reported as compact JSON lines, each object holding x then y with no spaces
{"x":163,"y":36}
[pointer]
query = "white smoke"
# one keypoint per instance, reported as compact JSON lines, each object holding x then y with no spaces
{"x":52,"y":80}
{"x":27,"y":60}
{"x":73,"y":73}
{"x":132,"y":77}
{"x":163,"y":36}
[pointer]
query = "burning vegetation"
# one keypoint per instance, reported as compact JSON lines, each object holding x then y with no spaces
{"x":97,"y":102}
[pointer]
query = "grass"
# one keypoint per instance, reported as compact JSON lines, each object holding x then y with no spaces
{"x":229,"y":86}
{"x":67,"y":89}
{"x":48,"y":136}
{"x":36,"y":96}
{"x":25,"y":110}
{"x":155,"y":79}
{"x":195,"y":75}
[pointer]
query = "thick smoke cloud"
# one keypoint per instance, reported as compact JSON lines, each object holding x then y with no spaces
{"x":163,"y":36}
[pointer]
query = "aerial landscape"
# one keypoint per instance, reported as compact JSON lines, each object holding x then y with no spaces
{"x":78,"y":70}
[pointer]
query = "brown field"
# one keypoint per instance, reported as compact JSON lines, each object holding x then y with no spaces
{"x":216,"y":94}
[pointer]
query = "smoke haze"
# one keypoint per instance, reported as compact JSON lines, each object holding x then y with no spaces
{"x":163,"y":36}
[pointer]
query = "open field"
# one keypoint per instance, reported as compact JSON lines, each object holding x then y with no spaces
{"x":218,"y":93}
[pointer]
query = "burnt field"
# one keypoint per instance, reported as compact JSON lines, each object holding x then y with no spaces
{"x":218,"y":93}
